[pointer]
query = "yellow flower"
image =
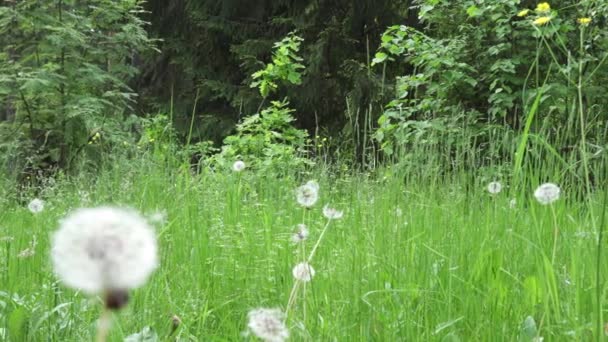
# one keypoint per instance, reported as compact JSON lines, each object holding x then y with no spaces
{"x":523,"y":13}
{"x":543,"y":7}
{"x":541,"y":21}
{"x":584,"y":21}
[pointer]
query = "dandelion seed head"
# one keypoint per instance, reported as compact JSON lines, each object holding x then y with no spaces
{"x":238,"y":166}
{"x":104,"y":249}
{"x":307,"y":195}
{"x":268,"y":324}
{"x":494,"y":187}
{"x":301,"y":234}
{"x":303,"y":272}
{"x":36,"y":205}
{"x":547,"y":193}
{"x":331,"y":213}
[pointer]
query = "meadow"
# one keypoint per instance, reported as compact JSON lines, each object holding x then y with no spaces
{"x":414,"y":257}
{"x":374,"y":170}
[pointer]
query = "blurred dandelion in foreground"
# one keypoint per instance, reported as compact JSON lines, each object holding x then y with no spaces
{"x":301,"y":234}
{"x":331,"y":213}
{"x":268,"y":324}
{"x":36,"y":205}
{"x":303,"y":272}
{"x":104,"y":251}
{"x":308,"y":194}
{"x":547,"y":193}
{"x":238,"y":166}
{"x":494,"y":188}
{"x":523,"y":13}
{"x":101,"y":250}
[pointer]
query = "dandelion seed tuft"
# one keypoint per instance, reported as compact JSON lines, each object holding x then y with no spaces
{"x":104,"y":250}
{"x":268,"y":324}
{"x":238,"y":166}
{"x":547,"y":193}
{"x":36,"y":205}
{"x":331,"y":213}
{"x":303,"y":272}
{"x":494,"y":188}
{"x":308,"y":194}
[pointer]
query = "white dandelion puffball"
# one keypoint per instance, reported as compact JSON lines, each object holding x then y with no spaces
{"x":301,"y":234}
{"x":238,"y":166}
{"x":268,"y":324}
{"x":36,"y":205}
{"x":104,"y":249}
{"x":307,"y":195}
{"x":494,"y":188}
{"x":547,"y":193}
{"x":331,"y":213}
{"x":303,"y":272}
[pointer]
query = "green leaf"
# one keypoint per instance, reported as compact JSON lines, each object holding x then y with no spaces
{"x":528,"y":330}
{"x":473,"y":11}
{"x":17,"y":324}
{"x":379,"y":58}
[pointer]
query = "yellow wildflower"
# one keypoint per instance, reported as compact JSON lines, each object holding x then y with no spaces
{"x":584,"y":21}
{"x":523,"y":13}
{"x":541,"y":21}
{"x":543,"y":7}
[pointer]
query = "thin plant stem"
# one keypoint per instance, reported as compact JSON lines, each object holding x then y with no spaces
{"x":103,"y":326}
{"x":555,"y":234}
{"x":314,"y":249}
{"x":598,"y":265}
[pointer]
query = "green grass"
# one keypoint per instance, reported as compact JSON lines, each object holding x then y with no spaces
{"x":428,"y":259}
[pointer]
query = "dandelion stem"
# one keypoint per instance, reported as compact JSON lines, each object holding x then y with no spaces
{"x":292,"y":297}
{"x":555,"y":233}
{"x":314,"y":249}
{"x":103,"y":326}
